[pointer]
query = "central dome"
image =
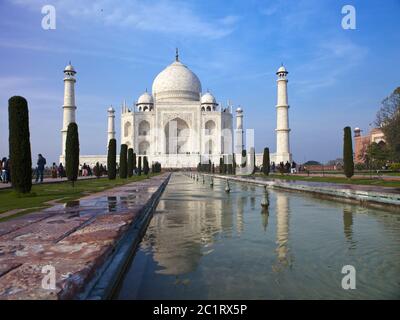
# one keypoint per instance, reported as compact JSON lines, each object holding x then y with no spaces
{"x":176,"y":83}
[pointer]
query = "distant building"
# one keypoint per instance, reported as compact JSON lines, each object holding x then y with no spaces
{"x":361,"y":143}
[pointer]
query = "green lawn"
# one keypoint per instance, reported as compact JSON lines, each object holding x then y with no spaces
{"x":366,"y":181}
{"x":61,"y":192}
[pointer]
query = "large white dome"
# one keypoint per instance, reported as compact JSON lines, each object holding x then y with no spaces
{"x":175,"y":83}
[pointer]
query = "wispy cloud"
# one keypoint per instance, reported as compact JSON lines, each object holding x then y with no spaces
{"x":167,"y":17}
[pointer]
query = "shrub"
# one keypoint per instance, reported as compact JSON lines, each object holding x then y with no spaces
{"x":266,"y":162}
{"x":395,"y":167}
{"x":72,"y":152}
{"x":112,"y":159}
{"x":145,"y":166}
{"x":348,"y":153}
{"x":19,"y":144}
{"x":123,"y":162}
{"x":139,"y":169}
{"x":130,"y":162}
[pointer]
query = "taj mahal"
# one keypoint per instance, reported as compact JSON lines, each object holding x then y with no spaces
{"x":179,"y":125}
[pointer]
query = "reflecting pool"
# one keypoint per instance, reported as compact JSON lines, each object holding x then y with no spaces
{"x":205,"y":243}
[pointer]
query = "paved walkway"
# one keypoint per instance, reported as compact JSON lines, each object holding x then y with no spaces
{"x":357,"y":176}
{"x":363,"y":193}
{"x":46,"y":180}
{"x":338,"y":185}
{"x":74,"y":240}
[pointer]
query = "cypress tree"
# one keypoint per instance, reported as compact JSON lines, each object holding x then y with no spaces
{"x":130,"y":162}
{"x":19,"y":144}
{"x":266,"y":162}
{"x":112,"y":159}
{"x":72,"y":153}
{"x":139,"y":166}
{"x":134,"y":162}
{"x":348,"y":162}
{"x":123,"y":162}
{"x":98,"y":171}
{"x":145,"y":166}
{"x":233,"y":164}
{"x":254,"y":160}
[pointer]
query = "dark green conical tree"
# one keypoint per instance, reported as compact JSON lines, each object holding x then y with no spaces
{"x":72,"y":153}
{"x":254,"y":161}
{"x":139,"y":169}
{"x":348,"y":162}
{"x":266,"y":162}
{"x":123,"y":162}
{"x":134,"y":161}
{"x":97,"y":170}
{"x":112,"y":159}
{"x":233,"y":164}
{"x":19,"y":144}
{"x":130,"y":162}
{"x":145,"y":166}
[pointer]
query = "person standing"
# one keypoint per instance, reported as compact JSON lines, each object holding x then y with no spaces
{"x":61,"y":171}
{"x":5,"y":177}
{"x":54,"y":170}
{"x":40,"y":168}
{"x":294,"y":167}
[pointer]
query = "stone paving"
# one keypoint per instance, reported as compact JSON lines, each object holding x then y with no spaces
{"x":362,"y":193}
{"x":76,"y":239}
{"x":46,"y":181}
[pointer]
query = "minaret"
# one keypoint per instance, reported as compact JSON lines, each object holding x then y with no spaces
{"x":239,"y":133}
{"x":111,"y":124}
{"x":69,"y":106}
{"x":282,"y":119}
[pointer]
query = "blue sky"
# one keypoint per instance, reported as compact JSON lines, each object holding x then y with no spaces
{"x":337,"y":77}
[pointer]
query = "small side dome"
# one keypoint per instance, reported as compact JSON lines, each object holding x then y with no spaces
{"x":145,"y":98}
{"x":239,"y":110}
{"x":111,"y":109}
{"x":208,"y":98}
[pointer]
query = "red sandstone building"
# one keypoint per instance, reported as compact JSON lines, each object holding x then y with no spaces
{"x":362,"y":142}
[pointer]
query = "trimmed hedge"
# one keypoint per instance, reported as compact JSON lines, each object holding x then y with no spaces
{"x":19,"y":144}
{"x":112,"y":159}
{"x":72,"y":152}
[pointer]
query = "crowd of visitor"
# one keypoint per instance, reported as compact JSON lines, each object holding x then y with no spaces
{"x":55,"y":171}
{"x":285,"y":167}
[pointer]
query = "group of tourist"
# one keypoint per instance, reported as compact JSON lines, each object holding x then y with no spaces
{"x":86,"y":171}
{"x":58,"y":171}
{"x":284,"y":167}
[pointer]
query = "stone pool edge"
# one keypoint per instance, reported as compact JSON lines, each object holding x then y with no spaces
{"x":104,"y":286}
{"x":374,"y":199}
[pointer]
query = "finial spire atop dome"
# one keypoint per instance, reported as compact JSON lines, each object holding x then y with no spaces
{"x":176,"y":55}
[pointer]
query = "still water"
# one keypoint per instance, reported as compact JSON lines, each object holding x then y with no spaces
{"x":204,"y":243}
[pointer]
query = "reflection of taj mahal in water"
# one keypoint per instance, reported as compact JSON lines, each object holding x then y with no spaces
{"x":177,"y":124}
{"x":179,"y":241}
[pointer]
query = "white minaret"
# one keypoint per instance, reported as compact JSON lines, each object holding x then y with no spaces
{"x":111,"y":124}
{"x":239,"y":131}
{"x":69,"y":106}
{"x":282,"y":119}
